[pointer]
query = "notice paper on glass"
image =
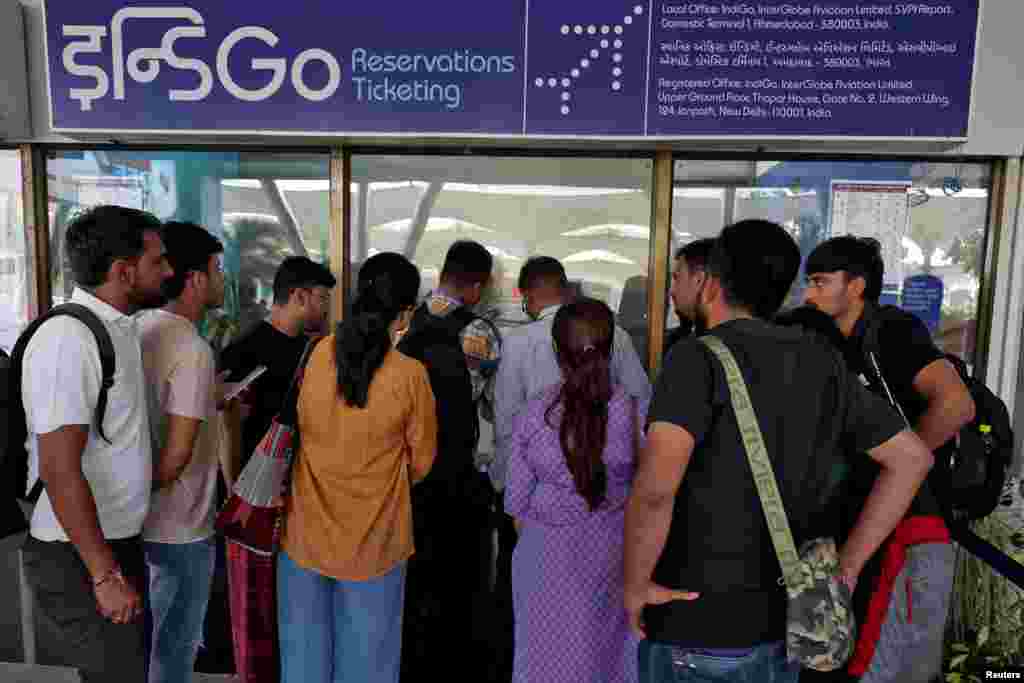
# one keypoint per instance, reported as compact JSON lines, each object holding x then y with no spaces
{"x":874,"y":209}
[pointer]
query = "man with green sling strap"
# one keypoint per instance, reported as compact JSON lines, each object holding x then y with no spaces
{"x":703,"y":582}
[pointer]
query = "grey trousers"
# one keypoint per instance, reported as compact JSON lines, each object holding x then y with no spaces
{"x":73,"y":631}
{"x":909,"y":648}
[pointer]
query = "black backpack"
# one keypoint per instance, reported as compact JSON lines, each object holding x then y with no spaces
{"x":983,"y":454}
{"x":434,"y":341}
{"x":14,"y":457}
{"x":972,"y":470}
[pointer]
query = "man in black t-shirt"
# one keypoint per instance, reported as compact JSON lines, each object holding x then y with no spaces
{"x":302,"y":290}
{"x":702,"y":577}
{"x":885,"y":343}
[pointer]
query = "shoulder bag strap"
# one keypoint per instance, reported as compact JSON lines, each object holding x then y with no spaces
{"x":289,"y":409}
{"x":760,"y":465}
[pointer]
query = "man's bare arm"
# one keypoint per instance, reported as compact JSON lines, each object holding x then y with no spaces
{"x":661,"y":468}
{"x":60,"y":467}
{"x":177,"y":451}
{"x":950,"y":405}
{"x":905,"y":461}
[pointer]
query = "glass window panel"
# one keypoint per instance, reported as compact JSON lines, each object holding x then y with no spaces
{"x":263,"y":206}
{"x":13,"y":265}
{"x":931,"y":218}
{"x":591,"y":214}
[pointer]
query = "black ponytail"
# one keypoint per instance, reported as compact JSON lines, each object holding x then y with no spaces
{"x":388,"y":285}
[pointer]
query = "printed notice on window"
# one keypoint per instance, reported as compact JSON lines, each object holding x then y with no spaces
{"x":878,"y":210}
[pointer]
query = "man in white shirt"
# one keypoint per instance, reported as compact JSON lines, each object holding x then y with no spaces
{"x":179,"y":369}
{"x":528,"y":362}
{"x":83,"y":556}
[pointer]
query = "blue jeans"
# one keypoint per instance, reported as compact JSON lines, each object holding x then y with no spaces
{"x":180,"y":576}
{"x":335,"y":631}
{"x":766,"y":663}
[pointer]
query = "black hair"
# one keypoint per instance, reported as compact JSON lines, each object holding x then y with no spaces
{"x":467,"y":263}
{"x":755,"y":261}
{"x":189,"y":248}
{"x":813,"y":320}
{"x":857,"y":256}
{"x":100,"y":235}
{"x":582,"y":332}
{"x":299,"y":272}
{"x":696,"y":253}
{"x":388,"y":284}
{"x":542,"y":271}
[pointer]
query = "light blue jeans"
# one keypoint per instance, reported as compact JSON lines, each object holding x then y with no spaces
{"x":335,"y":631}
{"x":180,"y":576}
{"x":766,"y":663}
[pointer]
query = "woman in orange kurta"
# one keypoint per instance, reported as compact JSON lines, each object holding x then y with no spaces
{"x":368,"y":431}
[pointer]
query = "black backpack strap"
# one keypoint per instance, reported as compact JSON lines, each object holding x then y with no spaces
{"x":462,"y":316}
{"x":451,"y":324}
{"x":457,"y":320}
{"x":873,"y":320}
{"x":104,"y":344}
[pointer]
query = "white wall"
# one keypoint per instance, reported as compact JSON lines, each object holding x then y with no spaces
{"x":997,"y":128}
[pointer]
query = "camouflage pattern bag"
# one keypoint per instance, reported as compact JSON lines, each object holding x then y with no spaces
{"x":820,"y":627}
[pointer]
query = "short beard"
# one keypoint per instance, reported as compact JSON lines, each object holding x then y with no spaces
{"x":143,"y":300}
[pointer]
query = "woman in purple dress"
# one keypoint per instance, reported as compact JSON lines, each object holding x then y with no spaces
{"x":569,"y":475}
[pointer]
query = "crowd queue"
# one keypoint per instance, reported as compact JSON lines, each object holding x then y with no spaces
{"x":632,"y":545}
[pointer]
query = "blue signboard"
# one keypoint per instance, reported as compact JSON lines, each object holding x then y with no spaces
{"x":636,"y":68}
{"x":922,"y":296}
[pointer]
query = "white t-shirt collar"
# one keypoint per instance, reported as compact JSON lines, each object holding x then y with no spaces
{"x":97,"y":306}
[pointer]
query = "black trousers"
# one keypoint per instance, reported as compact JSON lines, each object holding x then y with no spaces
{"x":503,"y":625}
{"x":76,"y":634}
{"x":446,"y":617}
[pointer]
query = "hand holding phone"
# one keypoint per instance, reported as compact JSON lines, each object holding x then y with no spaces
{"x":234,"y":389}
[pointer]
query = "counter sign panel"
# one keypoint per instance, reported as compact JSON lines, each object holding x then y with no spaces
{"x":608,"y":68}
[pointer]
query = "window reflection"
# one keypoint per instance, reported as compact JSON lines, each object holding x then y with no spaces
{"x":263,"y":207}
{"x":13,"y":265}
{"x":591,"y":214}
{"x":930,"y":217}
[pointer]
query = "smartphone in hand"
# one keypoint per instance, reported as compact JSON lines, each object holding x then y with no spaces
{"x":234,"y":389}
